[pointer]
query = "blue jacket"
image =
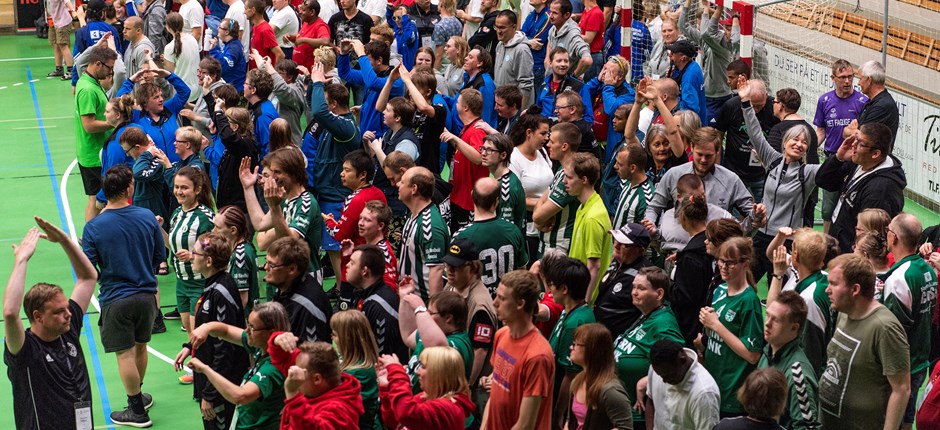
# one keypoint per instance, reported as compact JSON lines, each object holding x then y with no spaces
{"x":691,"y":89}
{"x":641,"y":47}
{"x":162,"y":131}
{"x":234,"y":65}
{"x":149,"y":185}
{"x":546,"y":98}
{"x":406,"y":38}
{"x":612,"y":98}
{"x":536,"y":26}
{"x":213,"y":156}
{"x":112,"y":155}
{"x":338,"y":138}
{"x":369,"y":118}
{"x":88,"y":36}
{"x":482,"y":82}
{"x":262,"y":115}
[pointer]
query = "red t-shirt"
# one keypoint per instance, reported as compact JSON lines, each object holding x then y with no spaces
{"x":303,"y":53}
{"x":347,"y":227}
{"x":554,"y":314}
{"x":262,"y":39}
{"x":465,"y":174}
{"x":523,"y":367}
{"x":593,"y":20}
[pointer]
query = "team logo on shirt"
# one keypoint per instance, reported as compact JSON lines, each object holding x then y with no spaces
{"x":729,"y":315}
{"x":49,"y":358}
{"x":71,"y":349}
{"x":205,"y":306}
{"x":618,"y":287}
{"x":343,"y":306}
{"x":483,"y":333}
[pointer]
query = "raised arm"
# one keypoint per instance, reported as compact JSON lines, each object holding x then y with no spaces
{"x":85,"y":273}
{"x":468,"y":151}
{"x":14,"y":333}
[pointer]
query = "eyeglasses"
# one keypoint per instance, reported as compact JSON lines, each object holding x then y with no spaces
{"x":271,"y":265}
{"x":843,"y":77}
{"x":729,"y":263}
{"x":578,"y":344}
{"x":251,"y":328}
{"x":110,"y":68}
{"x":562,"y":107}
{"x":487,"y":149}
{"x":197,"y":253}
{"x":127,"y":152}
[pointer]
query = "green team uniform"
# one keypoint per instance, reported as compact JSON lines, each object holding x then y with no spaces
{"x":264,"y":413}
{"x":562,"y":337}
{"x":370,"y":420}
{"x":631,"y":206}
{"x":502,"y":248}
{"x":802,"y":411}
{"x":511,"y":206}
{"x":742,"y":315}
{"x":185,"y":228}
{"x":910,"y":292}
{"x":820,"y":318}
{"x":424,"y":242}
{"x":458,"y":340}
{"x":560,"y":235}
{"x":90,"y":99}
{"x":632,"y":348}
{"x":302,"y":214}
{"x":244,"y":269}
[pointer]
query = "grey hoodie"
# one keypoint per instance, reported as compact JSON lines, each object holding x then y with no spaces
{"x":135,"y":55}
{"x":514,"y":65}
{"x":784,"y":194}
{"x":722,"y":188}
{"x":717,"y":52}
{"x":569,"y":37}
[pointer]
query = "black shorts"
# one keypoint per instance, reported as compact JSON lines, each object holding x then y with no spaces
{"x":91,"y":179}
{"x":127,"y":322}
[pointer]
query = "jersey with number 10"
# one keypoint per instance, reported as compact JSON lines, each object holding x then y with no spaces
{"x":501,"y":245}
{"x":424,"y":241}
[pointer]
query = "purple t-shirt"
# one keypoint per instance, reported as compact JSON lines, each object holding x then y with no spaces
{"x":834,"y":113}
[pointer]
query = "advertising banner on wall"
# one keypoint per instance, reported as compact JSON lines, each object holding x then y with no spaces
{"x":918,"y":140}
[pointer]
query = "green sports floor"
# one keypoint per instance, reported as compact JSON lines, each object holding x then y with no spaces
{"x":37,"y":173}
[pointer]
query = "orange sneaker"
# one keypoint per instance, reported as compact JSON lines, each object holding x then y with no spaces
{"x":186,"y":379}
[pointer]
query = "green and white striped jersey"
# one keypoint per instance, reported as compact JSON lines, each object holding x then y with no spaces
{"x":560,"y":235}
{"x":501,"y":245}
{"x":185,"y":227}
{"x":244,"y":269}
{"x":511,"y":206}
{"x":631,"y":206}
{"x":302,"y":214}
{"x":423,"y":243}
{"x":910,"y":292}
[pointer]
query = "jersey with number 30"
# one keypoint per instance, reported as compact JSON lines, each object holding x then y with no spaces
{"x":501,"y":245}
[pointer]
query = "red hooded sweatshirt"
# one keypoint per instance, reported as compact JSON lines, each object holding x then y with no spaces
{"x":337,"y":409}
{"x":403,"y":410}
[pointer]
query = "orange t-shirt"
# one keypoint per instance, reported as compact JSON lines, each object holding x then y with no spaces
{"x":522,"y":367}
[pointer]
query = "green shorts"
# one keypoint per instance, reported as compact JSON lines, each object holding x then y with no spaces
{"x":187,"y":293}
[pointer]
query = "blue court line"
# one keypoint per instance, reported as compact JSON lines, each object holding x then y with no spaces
{"x":90,"y":337}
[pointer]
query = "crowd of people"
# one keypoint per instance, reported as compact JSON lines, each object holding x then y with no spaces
{"x":524,"y":229}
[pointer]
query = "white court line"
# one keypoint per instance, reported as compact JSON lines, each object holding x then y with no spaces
{"x":33,"y":128}
{"x":71,"y":224}
{"x":34,"y":119}
{"x":26,"y":59}
{"x":17,"y":84}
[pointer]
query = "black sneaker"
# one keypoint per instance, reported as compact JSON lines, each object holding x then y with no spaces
{"x":67,"y":76}
{"x":148,"y":401}
{"x":172,"y":315}
{"x":127,"y":417}
{"x":158,"y":326}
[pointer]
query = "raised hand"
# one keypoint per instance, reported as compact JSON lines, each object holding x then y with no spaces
{"x":27,"y":247}
{"x":247,"y":175}
{"x":52,"y":233}
{"x":286,"y":341}
{"x":744,"y":88}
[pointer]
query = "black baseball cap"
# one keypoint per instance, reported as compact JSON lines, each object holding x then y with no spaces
{"x":461,"y":251}
{"x":683,"y":46}
{"x":632,"y":234}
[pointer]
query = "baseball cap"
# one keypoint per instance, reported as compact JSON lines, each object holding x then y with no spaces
{"x":683,"y":46}
{"x":461,"y":251}
{"x":632,"y":234}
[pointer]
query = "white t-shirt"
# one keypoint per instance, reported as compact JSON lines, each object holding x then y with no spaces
{"x":284,"y":22}
{"x":328,"y":8}
{"x":236,"y":11}
{"x":186,"y":63}
{"x":536,"y":176}
{"x":193,"y":16}
{"x":473,"y":9}
{"x":374,"y":8}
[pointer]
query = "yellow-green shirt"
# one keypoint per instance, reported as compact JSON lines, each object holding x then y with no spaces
{"x":590,"y":238}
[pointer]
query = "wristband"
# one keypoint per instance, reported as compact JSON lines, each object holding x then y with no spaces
{"x":420,"y":309}
{"x":780,"y":277}
{"x":188,"y":346}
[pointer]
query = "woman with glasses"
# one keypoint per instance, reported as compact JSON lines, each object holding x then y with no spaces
{"x":218,"y":303}
{"x":598,"y":399}
{"x":259,"y":395}
{"x":791,"y":181}
{"x":445,"y":402}
{"x":359,"y":354}
{"x":734,"y":324}
{"x":632,"y":347}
